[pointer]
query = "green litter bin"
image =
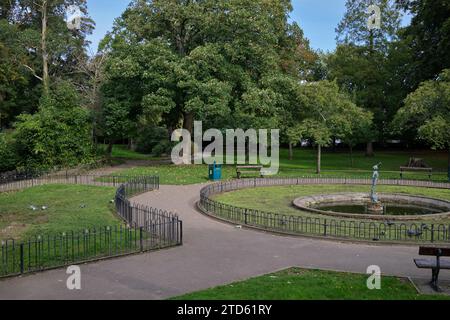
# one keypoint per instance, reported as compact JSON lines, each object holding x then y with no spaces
{"x":215,"y":172}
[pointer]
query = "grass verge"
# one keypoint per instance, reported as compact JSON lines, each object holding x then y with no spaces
{"x":300,"y":284}
{"x":70,"y":207}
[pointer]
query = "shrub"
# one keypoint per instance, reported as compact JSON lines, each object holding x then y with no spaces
{"x":151,"y":137}
{"x":7,"y":153}
{"x":163,"y":147}
{"x":58,"y":135}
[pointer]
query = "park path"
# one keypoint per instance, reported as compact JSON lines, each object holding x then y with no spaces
{"x":213,"y":253}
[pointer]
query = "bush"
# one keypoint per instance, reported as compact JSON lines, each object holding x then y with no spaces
{"x":7,"y":153}
{"x":152,"y":139}
{"x":58,"y":135}
{"x":163,"y":147}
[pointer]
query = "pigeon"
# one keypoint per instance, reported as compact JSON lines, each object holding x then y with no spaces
{"x":44,"y":208}
{"x":33,"y":208}
{"x":412,"y":233}
{"x":238,"y":227}
{"x":112,"y":201}
{"x":390,"y":223}
{"x":82,"y":206}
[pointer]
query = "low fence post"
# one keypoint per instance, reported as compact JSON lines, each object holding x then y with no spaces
{"x":432,"y":233}
{"x":141,"y":240}
{"x":181,"y":232}
{"x":21,"y":258}
{"x":325,"y":228}
{"x":246,"y":217}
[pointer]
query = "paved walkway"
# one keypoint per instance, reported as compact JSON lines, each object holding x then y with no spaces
{"x":213,"y":254}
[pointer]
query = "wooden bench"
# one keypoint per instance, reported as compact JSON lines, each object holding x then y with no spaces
{"x":404,"y":169}
{"x":249,"y":169}
{"x":436,"y":265}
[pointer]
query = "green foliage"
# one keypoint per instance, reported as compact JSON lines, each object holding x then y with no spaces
{"x":154,"y":140}
{"x":326,"y":113}
{"x":21,"y":65}
{"x":214,"y":61}
{"x":59,"y":134}
{"x":8,"y":155}
{"x":17,"y":88}
{"x":428,"y":39}
{"x":361,"y":62}
{"x":353,"y":29}
{"x":427,"y":110}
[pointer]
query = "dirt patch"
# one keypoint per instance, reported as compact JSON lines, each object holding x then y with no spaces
{"x":13,"y":226}
{"x":13,"y":231}
{"x":296,"y":272}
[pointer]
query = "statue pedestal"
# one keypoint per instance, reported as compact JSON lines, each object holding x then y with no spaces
{"x":375,"y":208}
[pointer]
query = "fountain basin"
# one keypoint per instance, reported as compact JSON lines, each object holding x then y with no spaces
{"x":353,"y":205}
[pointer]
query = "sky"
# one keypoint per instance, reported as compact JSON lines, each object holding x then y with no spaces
{"x":317,"y":18}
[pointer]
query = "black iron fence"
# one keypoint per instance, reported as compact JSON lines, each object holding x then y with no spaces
{"x":387,"y":231}
{"x":19,"y":181}
{"x":145,"y":229}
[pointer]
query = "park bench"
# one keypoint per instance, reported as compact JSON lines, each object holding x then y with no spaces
{"x":436,"y":265}
{"x":404,"y":169}
{"x":249,"y":169}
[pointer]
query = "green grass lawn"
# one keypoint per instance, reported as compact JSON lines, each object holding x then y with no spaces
{"x":64,"y":213}
{"x":300,"y":284}
{"x":334,"y":164}
{"x":122,"y":152}
{"x":279,"y":198}
{"x":392,"y":160}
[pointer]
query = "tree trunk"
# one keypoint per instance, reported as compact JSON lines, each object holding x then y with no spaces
{"x":291,"y":151}
{"x":369,"y":150}
{"x":351,"y":156}
{"x":448,"y":164}
{"x":188,"y":122}
{"x":319,"y":158}
{"x":45,"y":76}
{"x":110,"y":148}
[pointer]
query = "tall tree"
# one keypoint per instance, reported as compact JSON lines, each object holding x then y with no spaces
{"x":428,"y":37}
{"x":427,"y":111}
{"x":354,"y":27}
{"x":205,"y":60}
{"x":325,"y":113}
{"x":36,"y":46}
{"x":367,"y":47}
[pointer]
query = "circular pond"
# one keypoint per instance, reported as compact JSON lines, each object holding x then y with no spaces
{"x":397,"y":206}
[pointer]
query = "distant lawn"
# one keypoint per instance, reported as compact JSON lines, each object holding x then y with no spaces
{"x":122,"y":152}
{"x":279,"y":198}
{"x":392,"y":160}
{"x":299,"y":284}
{"x":64,"y":211}
{"x":334,"y":164}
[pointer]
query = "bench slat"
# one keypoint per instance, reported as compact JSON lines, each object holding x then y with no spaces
{"x":431,"y":264}
{"x":415,"y":169}
{"x":433,"y":251}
